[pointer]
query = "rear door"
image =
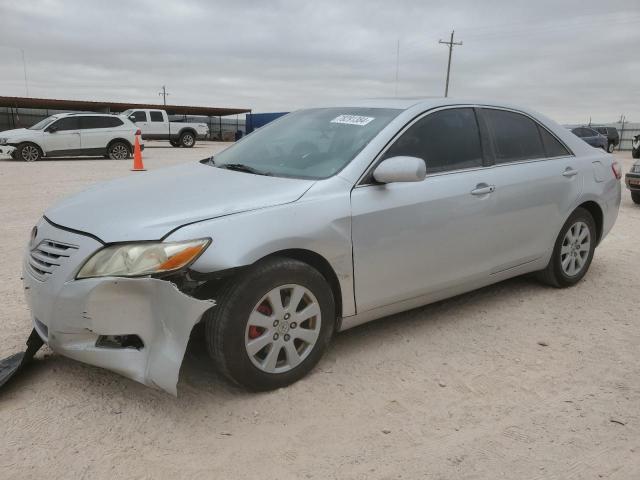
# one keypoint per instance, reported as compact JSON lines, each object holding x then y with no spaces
{"x":537,"y":182}
{"x":62,"y":137}
{"x":157,"y":127}
{"x":97,"y":131}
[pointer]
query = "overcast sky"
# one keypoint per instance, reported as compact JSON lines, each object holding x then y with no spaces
{"x":568,"y":59}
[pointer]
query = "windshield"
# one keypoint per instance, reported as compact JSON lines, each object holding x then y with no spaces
{"x":42,"y":123}
{"x":315,"y":143}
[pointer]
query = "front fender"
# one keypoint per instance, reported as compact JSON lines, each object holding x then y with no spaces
{"x":320,"y":223}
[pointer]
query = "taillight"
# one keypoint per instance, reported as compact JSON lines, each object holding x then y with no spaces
{"x":138,"y":132}
{"x":617,"y":170}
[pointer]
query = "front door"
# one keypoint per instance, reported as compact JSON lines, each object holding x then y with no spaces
{"x":413,"y":239}
{"x":62,"y":137}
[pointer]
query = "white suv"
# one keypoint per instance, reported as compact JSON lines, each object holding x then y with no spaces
{"x":71,"y":134}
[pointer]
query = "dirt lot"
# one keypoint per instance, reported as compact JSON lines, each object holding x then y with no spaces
{"x":456,"y":390}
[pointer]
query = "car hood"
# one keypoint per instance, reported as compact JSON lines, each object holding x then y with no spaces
{"x":147,"y":206}
{"x":18,"y":132}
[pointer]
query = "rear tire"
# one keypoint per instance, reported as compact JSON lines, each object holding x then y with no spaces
{"x":611,"y":148}
{"x":28,"y":152}
{"x":635,"y":196}
{"x":572,"y":252}
{"x":119,"y":151}
{"x":246,"y":313}
{"x":188,"y":139}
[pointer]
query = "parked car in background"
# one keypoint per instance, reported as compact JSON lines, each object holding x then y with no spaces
{"x":613,"y":137}
{"x":155,"y":125}
{"x":635,"y":147}
{"x":592,"y":137}
{"x":323,"y":220}
{"x":73,"y":134}
{"x":632,"y":179}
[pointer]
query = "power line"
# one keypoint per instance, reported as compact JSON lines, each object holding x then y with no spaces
{"x":451,"y":44}
{"x":164,"y":94}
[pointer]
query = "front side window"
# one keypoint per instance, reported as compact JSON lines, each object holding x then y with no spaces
{"x":140,"y":116}
{"x":445,"y":140}
{"x":515,"y":136}
{"x":65,"y":124}
{"x":315,"y":143}
{"x":156,"y":116}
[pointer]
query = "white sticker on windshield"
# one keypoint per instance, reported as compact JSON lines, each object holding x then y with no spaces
{"x":352,"y":119}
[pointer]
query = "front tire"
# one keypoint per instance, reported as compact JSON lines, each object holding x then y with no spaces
{"x":572,"y":252}
{"x":188,"y":139}
{"x":272,"y":324}
{"x":28,"y":152}
{"x":635,"y":153}
{"x":635,"y":196}
{"x":610,"y":148}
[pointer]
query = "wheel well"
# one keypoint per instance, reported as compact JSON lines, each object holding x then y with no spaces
{"x":31,"y":143}
{"x":321,"y":264}
{"x":124,"y":140}
{"x":596,"y":212}
{"x":187,"y":129}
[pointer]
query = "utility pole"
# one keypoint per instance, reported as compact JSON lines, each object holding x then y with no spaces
{"x":24,"y":65}
{"x":397,"y":65}
{"x":164,"y":94}
{"x":451,"y":44}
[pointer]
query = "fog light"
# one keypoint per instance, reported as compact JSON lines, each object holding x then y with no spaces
{"x":119,"y":341}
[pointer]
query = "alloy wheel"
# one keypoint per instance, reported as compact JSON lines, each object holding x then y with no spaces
{"x":30,"y":153}
{"x":119,"y":152}
{"x":283,"y":328}
{"x":575,"y":248}
{"x":187,"y":140}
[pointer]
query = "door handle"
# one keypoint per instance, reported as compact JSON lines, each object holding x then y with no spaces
{"x":569,"y":172}
{"x":483,"y":189}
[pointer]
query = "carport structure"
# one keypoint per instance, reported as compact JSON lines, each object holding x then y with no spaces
{"x":17,"y":112}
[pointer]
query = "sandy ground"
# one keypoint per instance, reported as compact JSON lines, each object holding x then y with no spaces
{"x":456,"y":390}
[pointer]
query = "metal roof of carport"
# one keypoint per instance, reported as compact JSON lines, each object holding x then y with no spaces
{"x":89,"y":106}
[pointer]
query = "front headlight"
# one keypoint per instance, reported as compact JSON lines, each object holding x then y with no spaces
{"x":144,"y":258}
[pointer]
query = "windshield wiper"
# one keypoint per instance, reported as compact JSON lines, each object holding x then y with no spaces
{"x":241,"y":167}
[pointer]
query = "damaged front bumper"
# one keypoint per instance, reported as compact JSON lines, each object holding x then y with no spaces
{"x":7,"y":150}
{"x":137,"y":327}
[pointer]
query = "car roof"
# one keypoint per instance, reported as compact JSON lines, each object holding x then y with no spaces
{"x":84,"y":114}
{"x":425,"y":103}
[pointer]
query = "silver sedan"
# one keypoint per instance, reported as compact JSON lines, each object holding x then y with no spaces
{"x":323,"y":220}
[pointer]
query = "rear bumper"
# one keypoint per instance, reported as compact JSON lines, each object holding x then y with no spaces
{"x":632,"y":180}
{"x":71,"y":315}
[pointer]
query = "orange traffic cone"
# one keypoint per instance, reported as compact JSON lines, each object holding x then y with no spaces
{"x":137,"y":156}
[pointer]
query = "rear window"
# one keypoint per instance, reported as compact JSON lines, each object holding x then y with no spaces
{"x":156,"y":116}
{"x":100,"y":122}
{"x":515,"y":136}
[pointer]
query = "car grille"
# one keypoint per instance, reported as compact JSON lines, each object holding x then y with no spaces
{"x":47,"y":256}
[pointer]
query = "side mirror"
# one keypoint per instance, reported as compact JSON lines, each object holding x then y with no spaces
{"x":132,"y":118}
{"x":52,"y":129}
{"x":400,"y":169}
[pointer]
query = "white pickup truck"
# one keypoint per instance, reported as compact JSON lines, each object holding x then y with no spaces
{"x":155,"y":125}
